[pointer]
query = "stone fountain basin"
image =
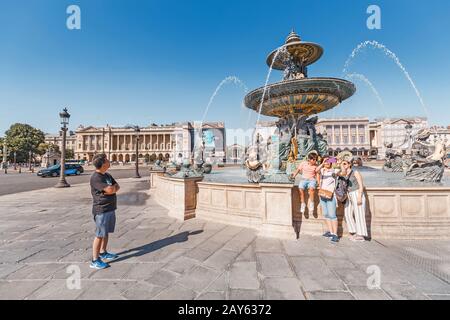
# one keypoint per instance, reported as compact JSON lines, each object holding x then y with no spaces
{"x":395,"y":210}
{"x":301,"y":96}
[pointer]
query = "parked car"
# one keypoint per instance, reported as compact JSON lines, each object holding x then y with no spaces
{"x":54,"y":171}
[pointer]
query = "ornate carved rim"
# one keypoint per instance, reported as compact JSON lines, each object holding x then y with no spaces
{"x":302,"y":96}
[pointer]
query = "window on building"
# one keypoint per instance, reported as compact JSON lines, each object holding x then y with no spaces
{"x":354,"y":139}
{"x":337,"y":139}
{"x":362,"y":140}
{"x":345,"y":139}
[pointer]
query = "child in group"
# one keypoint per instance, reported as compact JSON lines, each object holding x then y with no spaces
{"x":309,"y":170}
{"x":327,"y":184}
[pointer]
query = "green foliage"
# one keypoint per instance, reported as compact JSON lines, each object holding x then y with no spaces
{"x":69,"y":154}
{"x":23,"y":138}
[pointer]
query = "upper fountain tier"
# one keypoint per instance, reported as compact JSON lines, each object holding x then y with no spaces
{"x":304,"y":53}
{"x":297,"y":94}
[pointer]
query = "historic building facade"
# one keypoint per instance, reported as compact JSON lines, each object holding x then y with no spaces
{"x":56,"y":139}
{"x":174,"y":141}
{"x":346,"y":134}
{"x":395,"y":131}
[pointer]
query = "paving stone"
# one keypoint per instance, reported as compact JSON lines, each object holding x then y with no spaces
{"x":268,"y":245}
{"x":199,"y":278}
{"x":142,"y":291}
{"x":315,"y":275}
{"x":221,"y":283}
{"x":301,"y":247}
{"x":181,"y":264}
{"x":243,"y":275}
{"x":364,"y":293}
{"x":241,"y":241}
{"x":274,"y":265}
{"x":36,"y":272}
{"x":13,"y":256}
{"x":353,"y":277}
{"x":18,"y":290}
{"x":176,"y":292}
{"x":283,"y":289}
{"x":338,"y":263}
{"x":221,"y":259}
{"x":199,"y":254}
{"x":47,"y":256}
{"x":439,"y":296}
{"x":403,"y":291}
{"x":6,"y":269}
{"x":105,"y":290}
{"x":239,"y":294}
{"x":163,"y":278}
{"x":247,"y":255}
{"x":56,"y":290}
{"x":211,"y":296}
{"x":329,"y":295}
{"x":143,"y":271}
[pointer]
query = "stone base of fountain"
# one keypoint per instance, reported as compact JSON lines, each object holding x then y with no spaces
{"x":276,"y":176}
{"x":412,"y":212}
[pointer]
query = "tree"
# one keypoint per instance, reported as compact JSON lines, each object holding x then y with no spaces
{"x":23,"y":138}
{"x":70,"y":154}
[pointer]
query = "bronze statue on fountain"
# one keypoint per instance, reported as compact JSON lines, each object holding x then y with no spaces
{"x":293,"y":101}
{"x":420,"y":160}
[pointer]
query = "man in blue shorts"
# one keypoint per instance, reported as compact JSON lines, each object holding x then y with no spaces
{"x":103,"y":190}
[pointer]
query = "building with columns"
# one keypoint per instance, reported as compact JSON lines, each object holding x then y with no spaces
{"x":346,"y":134}
{"x":56,"y":139}
{"x":173,"y":141}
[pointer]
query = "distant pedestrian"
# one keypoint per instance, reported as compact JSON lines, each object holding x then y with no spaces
{"x":103,"y":190}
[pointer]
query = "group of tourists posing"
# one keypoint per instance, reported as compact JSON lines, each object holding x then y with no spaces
{"x":338,"y":182}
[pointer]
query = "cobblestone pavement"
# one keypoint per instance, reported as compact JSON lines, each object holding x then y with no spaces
{"x":45,"y":233}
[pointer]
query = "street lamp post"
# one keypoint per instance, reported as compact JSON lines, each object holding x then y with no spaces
{"x":65,"y":122}
{"x":15,"y":163}
{"x":137,"y":130}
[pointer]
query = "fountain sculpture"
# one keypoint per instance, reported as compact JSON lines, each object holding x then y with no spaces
{"x":420,"y":160}
{"x":293,"y":101}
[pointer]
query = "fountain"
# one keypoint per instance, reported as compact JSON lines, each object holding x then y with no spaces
{"x":293,"y":101}
{"x":400,"y":205}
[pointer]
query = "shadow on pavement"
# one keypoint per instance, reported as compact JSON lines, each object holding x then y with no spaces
{"x":156,"y":245}
{"x":132,"y":198}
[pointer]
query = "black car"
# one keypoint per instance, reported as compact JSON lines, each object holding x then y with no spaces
{"x":54,"y":171}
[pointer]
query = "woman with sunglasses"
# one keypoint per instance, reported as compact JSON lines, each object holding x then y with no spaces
{"x":355,"y":206}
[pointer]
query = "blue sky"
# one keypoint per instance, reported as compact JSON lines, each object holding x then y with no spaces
{"x":159,"y":61}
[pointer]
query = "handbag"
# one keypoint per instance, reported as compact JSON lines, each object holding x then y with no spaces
{"x":325,"y":194}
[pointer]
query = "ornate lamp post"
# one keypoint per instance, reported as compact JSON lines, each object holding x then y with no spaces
{"x":137,"y":130}
{"x":65,"y":122}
